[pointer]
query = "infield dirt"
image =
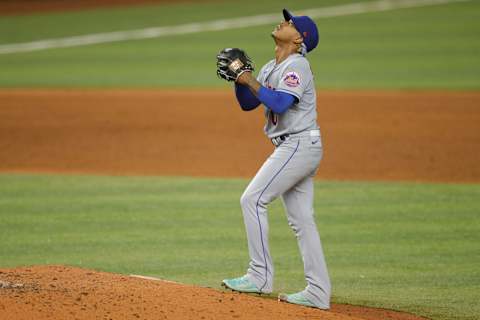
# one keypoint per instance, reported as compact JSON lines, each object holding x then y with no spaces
{"x":414,"y":136}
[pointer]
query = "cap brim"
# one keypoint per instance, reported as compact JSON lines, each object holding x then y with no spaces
{"x":287,"y":15}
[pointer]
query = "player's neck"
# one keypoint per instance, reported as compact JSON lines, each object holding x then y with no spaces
{"x":282,"y":53}
{"x":283,"y":50}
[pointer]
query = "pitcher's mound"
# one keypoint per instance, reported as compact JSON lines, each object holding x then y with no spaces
{"x":59,"y":292}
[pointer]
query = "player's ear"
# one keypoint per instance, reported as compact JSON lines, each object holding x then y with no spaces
{"x":298,"y":40}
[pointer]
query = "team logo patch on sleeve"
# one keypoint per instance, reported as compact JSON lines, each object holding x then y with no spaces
{"x":292,"y":79}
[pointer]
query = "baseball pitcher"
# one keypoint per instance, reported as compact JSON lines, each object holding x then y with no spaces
{"x":285,"y":86}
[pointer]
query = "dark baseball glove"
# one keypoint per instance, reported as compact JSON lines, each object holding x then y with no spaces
{"x":232,"y":62}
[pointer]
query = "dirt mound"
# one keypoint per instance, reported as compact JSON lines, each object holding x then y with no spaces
{"x":422,"y":136}
{"x":59,"y":292}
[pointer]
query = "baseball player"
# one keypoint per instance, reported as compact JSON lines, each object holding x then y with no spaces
{"x":285,"y":86}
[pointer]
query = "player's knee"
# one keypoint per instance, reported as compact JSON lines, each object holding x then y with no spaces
{"x":246,"y":200}
{"x":251,"y":199}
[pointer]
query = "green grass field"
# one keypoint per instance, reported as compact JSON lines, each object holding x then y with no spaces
{"x":404,"y":246}
{"x":428,"y":47}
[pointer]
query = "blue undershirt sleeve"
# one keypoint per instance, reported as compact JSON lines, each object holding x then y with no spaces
{"x":247,"y":100}
{"x":278,"y":102}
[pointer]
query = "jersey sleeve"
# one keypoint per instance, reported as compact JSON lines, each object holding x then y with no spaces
{"x":295,"y":78}
{"x":261,"y":74}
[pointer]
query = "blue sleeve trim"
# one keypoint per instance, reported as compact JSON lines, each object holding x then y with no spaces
{"x":277,"y":101}
{"x":247,"y":100}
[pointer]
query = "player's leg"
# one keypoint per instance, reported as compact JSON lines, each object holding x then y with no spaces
{"x":298,"y":202}
{"x":270,"y":181}
{"x":283,"y":169}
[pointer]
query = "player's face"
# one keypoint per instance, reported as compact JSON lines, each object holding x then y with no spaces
{"x":286,"y":31}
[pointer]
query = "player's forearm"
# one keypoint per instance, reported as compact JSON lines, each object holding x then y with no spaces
{"x":247,"y":100}
{"x":249,"y":81}
{"x":253,"y":84}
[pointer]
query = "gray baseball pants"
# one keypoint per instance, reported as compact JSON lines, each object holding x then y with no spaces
{"x":287,"y":173}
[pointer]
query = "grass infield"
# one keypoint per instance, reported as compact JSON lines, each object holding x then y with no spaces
{"x":404,"y":246}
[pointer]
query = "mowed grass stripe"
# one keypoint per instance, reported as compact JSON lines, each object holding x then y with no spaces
{"x":404,"y":246}
{"x":217,"y":25}
{"x":416,"y":48}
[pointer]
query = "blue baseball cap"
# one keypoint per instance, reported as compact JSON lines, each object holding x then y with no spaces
{"x":306,"y":27}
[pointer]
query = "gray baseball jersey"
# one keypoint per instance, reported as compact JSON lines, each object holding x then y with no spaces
{"x":288,"y":173}
{"x":293,"y":76}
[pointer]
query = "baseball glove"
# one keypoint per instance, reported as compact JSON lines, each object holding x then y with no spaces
{"x":232,"y":62}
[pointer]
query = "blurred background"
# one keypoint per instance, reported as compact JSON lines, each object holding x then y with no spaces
{"x":425,"y":46}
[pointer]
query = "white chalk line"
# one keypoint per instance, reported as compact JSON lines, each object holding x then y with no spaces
{"x":217,"y":25}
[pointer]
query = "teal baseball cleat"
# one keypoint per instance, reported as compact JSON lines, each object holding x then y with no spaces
{"x":242,"y":284}
{"x":296,"y":298}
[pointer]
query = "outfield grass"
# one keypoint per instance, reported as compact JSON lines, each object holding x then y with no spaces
{"x":405,"y":246}
{"x":20,"y":28}
{"x":426,"y":47}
